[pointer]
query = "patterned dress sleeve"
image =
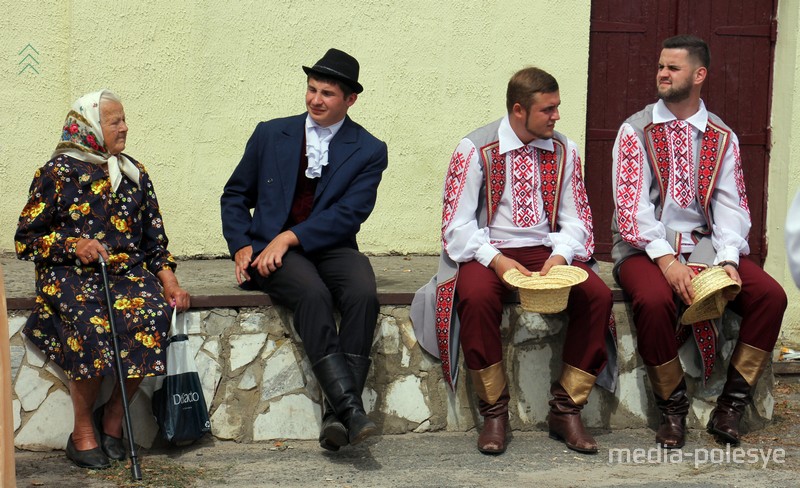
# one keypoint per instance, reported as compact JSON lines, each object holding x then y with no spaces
{"x":635,"y":213}
{"x":154,"y":239}
{"x":39,"y":237}
{"x":729,"y":209}
{"x":574,"y":239}
{"x":463,"y":240}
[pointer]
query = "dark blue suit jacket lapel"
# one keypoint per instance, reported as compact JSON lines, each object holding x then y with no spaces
{"x":342,"y":146}
{"x":287,"y":155}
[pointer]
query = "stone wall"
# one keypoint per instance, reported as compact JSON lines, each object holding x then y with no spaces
{"x":258,"y":383}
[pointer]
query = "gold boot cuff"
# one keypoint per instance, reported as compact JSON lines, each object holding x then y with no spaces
{"x":577,"y":383}
{"x":489,"y":382}
{"x":749,"y":361}
{"x":665,"y":377}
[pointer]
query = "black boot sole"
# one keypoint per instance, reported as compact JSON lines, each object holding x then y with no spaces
{"x":722,"y":437}
{"x":333,"y":437}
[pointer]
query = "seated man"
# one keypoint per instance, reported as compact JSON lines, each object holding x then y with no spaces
{"x":514,"y":198}
{"x":311,"y":181}
{"x":677,"y":178}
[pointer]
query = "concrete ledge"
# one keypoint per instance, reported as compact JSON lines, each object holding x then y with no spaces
{"x":212,"y":284}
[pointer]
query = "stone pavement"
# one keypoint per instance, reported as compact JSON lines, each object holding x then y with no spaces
{"x":442,"y":460}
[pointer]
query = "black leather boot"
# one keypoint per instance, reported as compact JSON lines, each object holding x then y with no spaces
{"x":747,"y":364}
{"x":333,"y":434}
{"x":724,"y":421}
{"x":339,"y":386}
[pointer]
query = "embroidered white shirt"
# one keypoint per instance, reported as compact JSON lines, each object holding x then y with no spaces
{"x":728,"y":205}
{"x":464,"y":240}
{"x":318,"y":141}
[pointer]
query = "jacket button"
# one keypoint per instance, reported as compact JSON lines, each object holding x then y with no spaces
{"x":269,"y":180}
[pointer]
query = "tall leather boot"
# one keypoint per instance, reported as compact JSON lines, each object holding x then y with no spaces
{"x":333,"y":433}
{"x":339,"y":387}
{"x":492,"y":390}
{"x":570,"y":394}
{"x":747,"y":364}
{"x":669,"y":388}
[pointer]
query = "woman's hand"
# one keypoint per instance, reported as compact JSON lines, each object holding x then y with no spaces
{"x":176,"y":296}
{"x":87,"y":250}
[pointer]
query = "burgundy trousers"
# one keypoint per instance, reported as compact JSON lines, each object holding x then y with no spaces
{"x":761,"y":304}
{"x":480,"y":307}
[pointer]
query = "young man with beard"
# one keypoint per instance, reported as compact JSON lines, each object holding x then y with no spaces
{"x":680,"y":198}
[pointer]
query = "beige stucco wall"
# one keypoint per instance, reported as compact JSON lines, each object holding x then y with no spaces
{"x":196,"y":77}
{"x":784,"y":170}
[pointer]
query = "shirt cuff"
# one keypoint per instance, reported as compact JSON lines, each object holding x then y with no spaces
{"x":485,"y":254}
{"x":564,"y":251}
{"x":657,"y":248}
{"x":727,"y":253}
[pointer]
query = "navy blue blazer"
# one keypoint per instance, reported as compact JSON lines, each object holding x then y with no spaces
{"x":266,"y":177}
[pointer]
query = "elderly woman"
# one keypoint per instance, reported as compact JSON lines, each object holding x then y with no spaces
{"x":92,"y":200}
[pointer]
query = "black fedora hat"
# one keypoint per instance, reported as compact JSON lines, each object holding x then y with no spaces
{"x":339,"y":65}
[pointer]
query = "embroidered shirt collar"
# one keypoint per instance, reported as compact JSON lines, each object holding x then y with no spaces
{"x":699,"y":120}
{"x":509,"y":140}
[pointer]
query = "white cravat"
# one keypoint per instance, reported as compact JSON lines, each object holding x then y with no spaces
{"x":318,"y":141}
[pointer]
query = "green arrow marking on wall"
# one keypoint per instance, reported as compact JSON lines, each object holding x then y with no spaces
{"x":29,"y":58}
{"x":28,"y":47}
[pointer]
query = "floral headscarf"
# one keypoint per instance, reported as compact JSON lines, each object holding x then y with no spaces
{"x":82,"y":138}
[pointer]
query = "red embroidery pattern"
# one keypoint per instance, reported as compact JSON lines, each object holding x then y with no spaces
{"x":454,"y":186}
{"x":738,"y":175}
{"x":681,"y":176}
{"x":445,"y":292}
{"x":582,"y":205}
{"x":612,"y":326}
{"x":495,"y":171}
{"x":659,"y":154}
{"x":629,"y":188}
{"x":524,"y":182}
{"x":705,"y":335}
{"x":708,"y":165}
{"x":550,"y":168}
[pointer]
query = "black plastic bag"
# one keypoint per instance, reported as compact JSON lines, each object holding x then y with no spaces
{"x":179,"y":405}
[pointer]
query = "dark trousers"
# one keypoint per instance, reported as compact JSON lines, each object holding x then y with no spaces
{"x":480,"y":309}
{"x":761,"y":304}
{"x":311,"y":285}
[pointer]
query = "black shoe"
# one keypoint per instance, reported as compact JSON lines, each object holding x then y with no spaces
{"x":112,"y":446}
{"x":333,"y":434}
{"x":340,"y":389}
{"x":91,"y":459}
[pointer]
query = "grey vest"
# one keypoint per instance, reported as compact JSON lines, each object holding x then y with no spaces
{"x":642,"y":124}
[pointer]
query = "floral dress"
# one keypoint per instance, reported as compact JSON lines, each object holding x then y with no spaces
{"x":72,"y":199}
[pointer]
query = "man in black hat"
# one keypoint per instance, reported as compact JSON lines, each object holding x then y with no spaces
{"x":311,"y":181}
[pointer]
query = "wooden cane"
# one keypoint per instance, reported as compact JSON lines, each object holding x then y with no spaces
{"x":7,"y":469}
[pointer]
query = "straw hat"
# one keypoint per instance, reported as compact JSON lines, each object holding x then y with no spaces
{"x":549,"y":293}
{"x":709,"y":287}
